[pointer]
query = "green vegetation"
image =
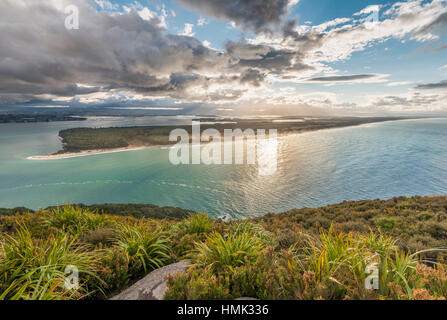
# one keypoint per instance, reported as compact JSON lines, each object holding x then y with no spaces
{"x":322,"y":253}
{"x":37,"y":117}
{"x":227,"y":252}
{"x":74,"y":220}
{"x":130,"y":210}
{"x":145,"y":247}
{"x":80,"y":139}
{"x":198,"y":224}
{"x":34,"y":269}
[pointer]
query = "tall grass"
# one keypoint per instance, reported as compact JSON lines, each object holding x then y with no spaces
{"x":343,"y":259}
{"x":146,"y":247}
{"x":227,"y":252}
{"x":199,"y":223}
{"x":254,"y":229}
{"x":75,"y":220}
{"x":34,"y":269}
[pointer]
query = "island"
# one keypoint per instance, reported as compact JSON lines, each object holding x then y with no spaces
{"x":87,"y":141}
{"x":37,"y":117}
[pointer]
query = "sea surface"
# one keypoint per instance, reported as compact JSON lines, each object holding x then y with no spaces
{"x":372,"y":161}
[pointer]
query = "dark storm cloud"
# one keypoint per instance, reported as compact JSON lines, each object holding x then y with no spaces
{"x":265,"y":58}
{"x":40,"y":56}
{"x":344,"y":78}
{"x":437,"y":85}
{"x":253,"y":77}
{"x":255,"y":15}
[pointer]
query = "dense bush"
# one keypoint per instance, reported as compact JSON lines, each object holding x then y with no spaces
{"x":301,"y":254}
{"x":34,"y":269}
{"x":222,"y":252}
{"x":146,"y":247}
{"x":331,"y":266}
{"x":75,"y":220}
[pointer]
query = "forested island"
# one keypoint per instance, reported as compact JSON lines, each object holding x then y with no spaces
{"x":82,"y":139}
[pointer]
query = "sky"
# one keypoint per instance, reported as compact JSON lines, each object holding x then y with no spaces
{"x":232,"y":57}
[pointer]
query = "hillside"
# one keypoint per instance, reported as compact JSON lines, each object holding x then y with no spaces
{"x":131,"y":210}
{"x":308,"y":253}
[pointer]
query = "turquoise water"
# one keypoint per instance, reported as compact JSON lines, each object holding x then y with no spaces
{"x":317,"y":168}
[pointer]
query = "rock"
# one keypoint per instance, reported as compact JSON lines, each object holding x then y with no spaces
{"x":225,"y":218}
{"x":154,"y":285}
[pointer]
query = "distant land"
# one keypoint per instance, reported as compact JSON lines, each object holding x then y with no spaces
{"x":130,"y":210}
{"x":25,"y":118}
{"x":87,"y":141}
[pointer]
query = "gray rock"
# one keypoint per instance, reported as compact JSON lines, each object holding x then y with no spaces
{"x":154,"y":285}
{"x":225,"y":218}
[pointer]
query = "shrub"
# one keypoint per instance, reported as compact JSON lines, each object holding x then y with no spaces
{"x":255,"y":230}
{"x":227,"y":252}
{"x":75,"y":220}
{"x":113,"y":272}
{"x":386,"y":224}
{"x":199,"y":223}
{"x":100,"y":237}
{"x":146,"y":247}
{"x":197,"y":284}
{"x":34,"y":269}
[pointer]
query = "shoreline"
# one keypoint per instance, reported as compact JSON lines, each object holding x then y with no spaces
{"x":84,"y":153}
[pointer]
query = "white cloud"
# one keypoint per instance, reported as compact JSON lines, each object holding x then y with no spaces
{"x":201,"y":22}
{"x":399,"y":83}
{"x":187,"y":31}
{"x":107,"y":5}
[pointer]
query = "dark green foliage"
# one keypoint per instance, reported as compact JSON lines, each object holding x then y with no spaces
{"x":318,"y":253}
{"x":11,"y":212}
{"x":79,"y":139}
{"x":139,"y":210}
{"x":100,"y":237}
{"x":386,"y":224}
{"x":417,"y":222}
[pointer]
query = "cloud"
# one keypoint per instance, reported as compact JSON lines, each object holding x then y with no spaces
{"x":109,"y":53}
{"x":254,"y":15}
{"x":130,"y":57}
{"x":437,"y":85}
{"x":399,"y":83}
{"x":350,"y":78}
{"x":410,"y":102}
{"x":187,"y":31}
{"x":202,"y":21}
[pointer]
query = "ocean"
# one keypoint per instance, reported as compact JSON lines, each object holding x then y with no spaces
{"x":380,"y":160}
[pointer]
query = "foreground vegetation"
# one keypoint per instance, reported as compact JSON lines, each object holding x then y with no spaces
{"x":324,"y":253}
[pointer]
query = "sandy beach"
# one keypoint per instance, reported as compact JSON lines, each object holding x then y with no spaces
{"x":83,"y":153}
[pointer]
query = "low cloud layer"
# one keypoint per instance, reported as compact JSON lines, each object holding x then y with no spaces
{"x":437,"y":85}
{"x":349,"y":78}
